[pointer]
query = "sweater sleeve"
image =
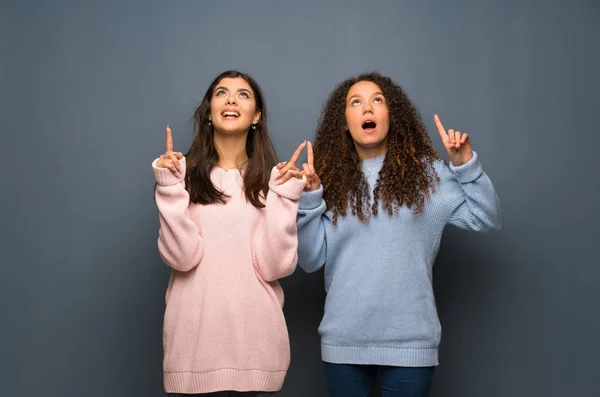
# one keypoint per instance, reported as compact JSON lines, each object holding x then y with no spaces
{"x":476,"y":204}
{"x":312,"y":242}
{"x":179,"y":242}
{"x":275,"y":244}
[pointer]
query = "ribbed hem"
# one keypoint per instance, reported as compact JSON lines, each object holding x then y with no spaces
{"x":223,"y":379}
{"x":378,"y":355}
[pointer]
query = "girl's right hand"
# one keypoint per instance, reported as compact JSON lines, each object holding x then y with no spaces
{"x":170,"y":159}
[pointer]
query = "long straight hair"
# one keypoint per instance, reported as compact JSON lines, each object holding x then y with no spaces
{"x":202,"y":156}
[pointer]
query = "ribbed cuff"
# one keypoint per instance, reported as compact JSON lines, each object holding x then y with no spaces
{"x":311,"y":200}
{"x":378,"y":355}
{"x":469,"y":171}
{"x":291,"y":189}
{"x":165,"y":177}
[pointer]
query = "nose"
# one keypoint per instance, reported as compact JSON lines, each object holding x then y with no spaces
{"x":230,"y":100}
{"x":367,"y":108}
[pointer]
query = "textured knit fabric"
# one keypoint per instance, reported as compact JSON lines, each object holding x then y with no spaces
{"x":380,"y":306}
{"x":224,"y":327}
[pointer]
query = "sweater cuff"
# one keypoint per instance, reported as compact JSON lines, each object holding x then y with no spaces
{"x":311,"y":200}
{"x":164,"y":176}
{"x":291,"y":189}
{"x":469,"y":171}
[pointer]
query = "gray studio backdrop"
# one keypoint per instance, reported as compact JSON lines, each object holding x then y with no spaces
{"x":88,"y":87}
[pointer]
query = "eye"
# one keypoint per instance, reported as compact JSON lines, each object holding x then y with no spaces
{"x":355,"y":102}
{"x":378,"y":100}
{"x":219,"y":92}
{"x":244,"y":95}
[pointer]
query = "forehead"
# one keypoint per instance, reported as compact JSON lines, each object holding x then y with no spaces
{"x":234,"y":84}
{"x":363,"y":88}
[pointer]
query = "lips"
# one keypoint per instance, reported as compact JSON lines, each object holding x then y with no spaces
{"x":369,"y":125}
{"x":230,"y":114}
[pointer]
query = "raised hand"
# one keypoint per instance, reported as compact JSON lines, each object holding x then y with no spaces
{"x":457,"y":144}
{"x":308,"y":170}
{"x":288,"y":169}
{"x":170,"y":159}
{"x":312,"y":179}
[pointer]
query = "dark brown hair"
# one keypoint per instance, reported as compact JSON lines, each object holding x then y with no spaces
{"x":407,"y":175}
{"x":203,"y":156}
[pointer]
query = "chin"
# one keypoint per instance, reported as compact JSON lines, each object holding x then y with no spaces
{"x":372,"y":142}
{"x":232,"y":130}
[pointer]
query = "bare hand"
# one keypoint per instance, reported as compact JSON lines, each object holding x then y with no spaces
{"x":170,"y":159}
{"x":457,"y":144}
{"x":288,"y":169}
{"x":308,"y":169}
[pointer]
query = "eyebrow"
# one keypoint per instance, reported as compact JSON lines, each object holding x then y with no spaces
{"x":374,"y":94}
{"x":239,"y":90}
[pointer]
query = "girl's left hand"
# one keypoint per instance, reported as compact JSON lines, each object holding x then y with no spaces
{"x":288,"y":169}
{"x":457,"y":144}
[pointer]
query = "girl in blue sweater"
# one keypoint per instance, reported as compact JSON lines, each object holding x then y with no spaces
{"x":376,"y":202}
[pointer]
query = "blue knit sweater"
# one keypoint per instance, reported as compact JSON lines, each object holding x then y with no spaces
{"x":380,"y":308}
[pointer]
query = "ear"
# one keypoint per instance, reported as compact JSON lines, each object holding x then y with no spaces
{"x":256,"y":117}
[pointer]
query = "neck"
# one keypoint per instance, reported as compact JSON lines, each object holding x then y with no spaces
{"x":231,"y":149}
{"x":365,"y":153}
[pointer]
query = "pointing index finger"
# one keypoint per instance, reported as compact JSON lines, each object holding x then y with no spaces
{"x":298,"y":152}
{"x":310,"y":156}
{"x":440,"y":127}
{"x":169,"y":140}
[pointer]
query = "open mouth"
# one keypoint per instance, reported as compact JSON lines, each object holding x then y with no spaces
{"x":230,"y":115}
{"x":369,"y":125}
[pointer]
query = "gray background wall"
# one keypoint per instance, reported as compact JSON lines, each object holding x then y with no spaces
{"x":87,"y":88}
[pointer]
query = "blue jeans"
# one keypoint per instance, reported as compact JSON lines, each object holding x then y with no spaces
{"x":349,"y":380}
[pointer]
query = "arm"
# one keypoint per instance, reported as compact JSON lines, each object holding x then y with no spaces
{"x":312,"y":243}
{"x":275,"y":244}
{"x":179,"y":242}
{"x":478,"y":205}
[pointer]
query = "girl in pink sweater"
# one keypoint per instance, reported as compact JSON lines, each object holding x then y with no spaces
{"x":228,"y":230}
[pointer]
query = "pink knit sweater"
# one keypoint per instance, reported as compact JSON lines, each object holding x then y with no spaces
{"x":224,"y":327}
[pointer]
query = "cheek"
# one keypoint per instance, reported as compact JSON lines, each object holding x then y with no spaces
{"x":385,"y":117}
{"x":353,"y":117}
{"x":249,"y":109}
{"x":250,"y":114}
{"x":354,"y":136}
{"x":214,"y":106}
